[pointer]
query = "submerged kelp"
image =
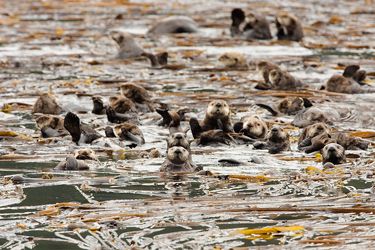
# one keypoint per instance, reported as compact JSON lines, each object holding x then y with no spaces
{"x":249,"y":198}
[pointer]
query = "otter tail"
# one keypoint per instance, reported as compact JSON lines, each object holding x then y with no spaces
{"x":268,"y":108}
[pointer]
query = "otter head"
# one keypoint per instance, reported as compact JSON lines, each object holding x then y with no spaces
{"x":285,"y":19}
{"x":333,"y":153}
{"x":260,"y":66}
{"x":251,"y":18}
{"x":317,"y":129}
{"x":276,"y":134}
{"x":275,"y":76}
{"x":134,"y":92}
{"x":218,"y":109}
{"x":178,"y":139}
{"x":118,"y":37}
{"x":85,"y":154}
{"x":254,"y":127}
{"x":284,"y":105}
{"x":177,"y":155}
{"x":44,"y":120}
{"x":54,"y":122}
{"x":231,"y":59}
{"x":296,"y":105}
{"x":317,"y":115}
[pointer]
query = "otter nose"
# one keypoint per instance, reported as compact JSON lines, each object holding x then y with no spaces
{"x":178,"y":137}
{"x":331,"y":149}
{"x":177,"y":151}
{"x":274,"y":129}
{"x":218,"y":105}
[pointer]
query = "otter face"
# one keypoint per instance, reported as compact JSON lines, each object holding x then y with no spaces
{"x":275,"y":76}
{"x":316,"y":129}
{"x":317,"y":115}
{"x":177,"y":155}
{"x":117,"y":37}
{"x":333,"y":153}
{"x":232,"y":59}
{"x":254,"y":127}
{"x":178,"y":139}
{"x":261,"y":65}
{"x":85,"y":154}
{"x":285,"y":20}
{"x":218,"y":109}
{"x":54,"y":122}
{"x":297,"y":104}
{"x":134,"y":92}
{"x":276,"y":134}
{"x":251,"y":18}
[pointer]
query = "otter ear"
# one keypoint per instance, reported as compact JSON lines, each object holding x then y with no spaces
{"x":238,"y":127}
{"x":350,"y":70}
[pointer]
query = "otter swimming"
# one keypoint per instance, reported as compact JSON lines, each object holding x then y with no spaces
{"x":217,"y":117}
{"x":288,"y":27}
{"x":277,"y":140}
{"x":177,"y":161}
{"x":128,"y":48}
{"x":174,"y":24}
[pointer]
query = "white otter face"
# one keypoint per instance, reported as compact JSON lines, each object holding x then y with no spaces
{"x":254,"y":127}
{"x":218,"y":108}
{"x":177,"y":155}
{"x":251,"y":18}
{"x":178,"y":139}
{"x":333,"y":153}
{"x":285,"y":20}
{"x":54,"y":122}
{"x":85,"y":154}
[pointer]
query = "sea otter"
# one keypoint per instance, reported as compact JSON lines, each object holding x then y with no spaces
{"x":217,"y":117}
{"x":350,"y":82}
{"x":178,"y":160}
{"x":139,"y":95}
{"x":174,"y":24}
{"x":287,"y":106}
{"x":277,"y":140}
{"x":252,"y":126}
{"x":128,"y":48}
{"x":334,"y":153}
{"x":256,"y":27}
{"x":312,"y":115}
{"x":234,"y":60}
{"x":282,"y":80}
{"x":126,"y":131}
{"x":288,"y":27}
{"x":79,"y":161}
{"x":264,"y":68}
{"x":47,"y":104}
{"x":51,"y":126}
{"x":81,"y":133}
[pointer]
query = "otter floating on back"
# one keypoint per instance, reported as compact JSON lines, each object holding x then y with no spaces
{"x":174,"y":24}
